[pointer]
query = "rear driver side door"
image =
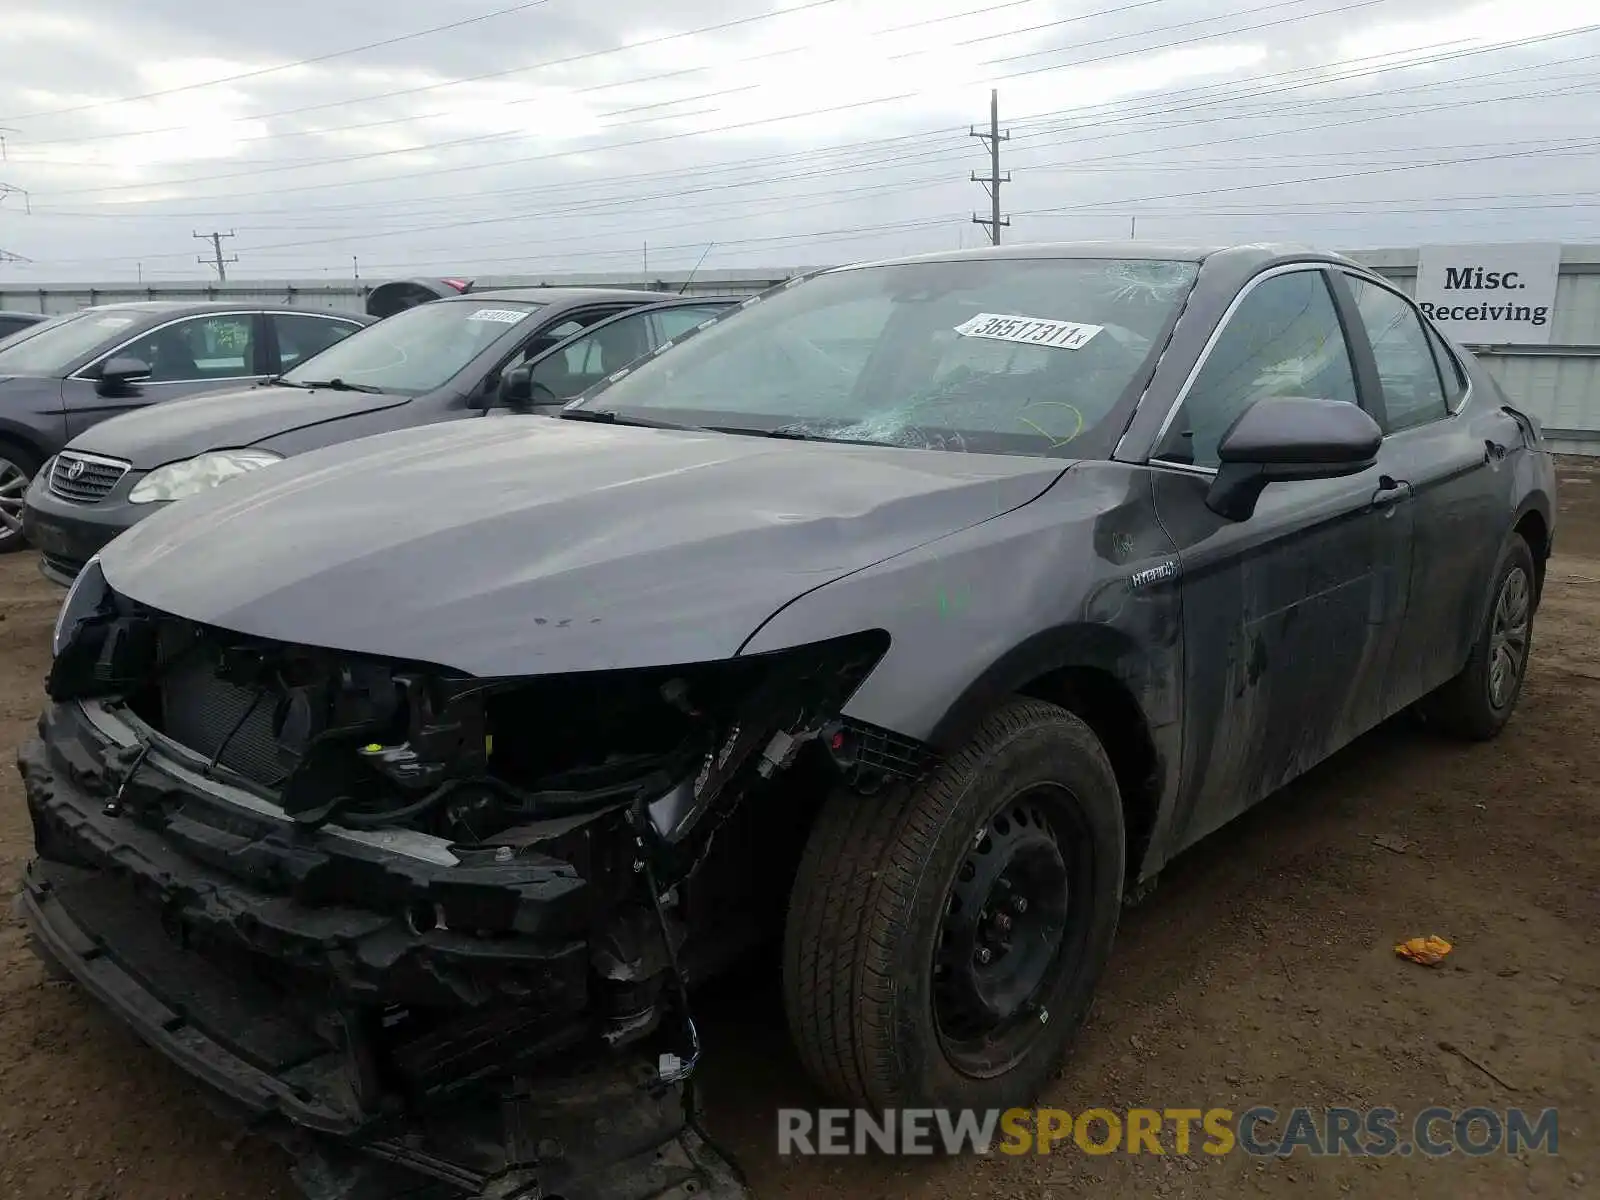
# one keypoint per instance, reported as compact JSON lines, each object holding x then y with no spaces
{"x":1290,"y":616}
{"x":1460,"y":486}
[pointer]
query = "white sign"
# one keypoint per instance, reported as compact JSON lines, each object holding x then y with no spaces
{"x":505,"y":316}
{"x":1490,"y":295}
{"x":1031,"y":331}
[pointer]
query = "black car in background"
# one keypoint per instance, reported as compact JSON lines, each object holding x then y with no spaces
{"x":77,"y":369}
{"x":12,"y":321}
{"x":460,"y":356}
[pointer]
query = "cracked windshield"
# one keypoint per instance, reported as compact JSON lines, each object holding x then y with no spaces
{"x":1009,"y":356}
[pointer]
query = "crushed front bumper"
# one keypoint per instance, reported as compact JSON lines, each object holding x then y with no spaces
{"x":280,"y":1006}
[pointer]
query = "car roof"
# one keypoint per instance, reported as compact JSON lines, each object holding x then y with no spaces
{"x":22,"y":312}
{"x":1239,"y":253}
{"x":563,"y":295}
{"x":178,"y":308}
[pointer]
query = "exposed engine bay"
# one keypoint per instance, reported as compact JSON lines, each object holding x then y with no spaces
{"x":415,"y":921}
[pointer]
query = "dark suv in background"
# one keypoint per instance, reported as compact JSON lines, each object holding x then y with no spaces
{"x":81,"y":367}
{"x":12,"y":321}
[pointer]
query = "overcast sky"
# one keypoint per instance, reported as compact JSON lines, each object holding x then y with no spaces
{"x":569,"y":135}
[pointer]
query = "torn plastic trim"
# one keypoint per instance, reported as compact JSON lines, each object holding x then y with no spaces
{"x":305,"y":899}
{"x":188,"y":767}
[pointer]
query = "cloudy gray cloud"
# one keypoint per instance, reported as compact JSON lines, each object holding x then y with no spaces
{"x":575,"y":136}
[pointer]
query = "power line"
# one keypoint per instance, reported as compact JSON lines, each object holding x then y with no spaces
{"x":216,"y":260}
{"x":992,"y":139}
{"x":553,"y":62}
{"x":289,"y":66}
{"x":719,"y":64}
{"x":852,"y":106}
{"x":1087,"y":209}
{"x":595,"y":205}
{"x":1206,"y":97}
{"x":1412,"y":62}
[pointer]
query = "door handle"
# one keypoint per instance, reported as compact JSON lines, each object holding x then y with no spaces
{"x":1390,"y":492}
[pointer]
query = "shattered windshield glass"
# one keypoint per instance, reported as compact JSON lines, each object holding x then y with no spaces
{"x":1015,"y":356}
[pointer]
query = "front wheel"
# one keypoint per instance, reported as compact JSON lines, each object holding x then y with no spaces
{"x":944,"y":941}
{"x":1478,"y":702}
{"x":17,"y":468}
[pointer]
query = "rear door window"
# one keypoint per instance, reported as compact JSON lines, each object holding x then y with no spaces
{"x":301,"y":335}
{"x":675,"y":322}
{"x":1412,"y":392}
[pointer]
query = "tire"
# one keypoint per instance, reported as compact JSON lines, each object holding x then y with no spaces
{"x":1478,"y":702}
{"x":871,"y":1024}
{"x":15,"y":461}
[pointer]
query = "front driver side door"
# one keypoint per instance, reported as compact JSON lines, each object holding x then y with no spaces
{"x":1289,"y":616}
{"x":209,"y":353}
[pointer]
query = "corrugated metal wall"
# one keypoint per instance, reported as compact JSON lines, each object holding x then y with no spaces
{"x":1558,"y":383}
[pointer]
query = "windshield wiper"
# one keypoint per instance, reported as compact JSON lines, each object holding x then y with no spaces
{"x":339,"y":385}
{"x":795,"y":433}
{"x":280,"y":381}
{"x":604,"y":416}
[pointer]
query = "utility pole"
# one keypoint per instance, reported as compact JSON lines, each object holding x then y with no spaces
{"x":992,"y":182}
{"x":6,"y":190}
{"x":216,"y":260}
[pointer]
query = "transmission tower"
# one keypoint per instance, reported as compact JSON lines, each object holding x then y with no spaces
{"x":991,"y":182}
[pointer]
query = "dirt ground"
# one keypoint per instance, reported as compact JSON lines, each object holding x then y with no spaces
{"x":1261,"y":971}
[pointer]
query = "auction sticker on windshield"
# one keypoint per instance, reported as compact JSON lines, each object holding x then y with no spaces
{"x":1031,"y":331}
{"x":505,"y":316}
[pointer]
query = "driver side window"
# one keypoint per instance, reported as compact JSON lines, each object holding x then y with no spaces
{"x":201,"y":348}
{"x":1284,"y":339}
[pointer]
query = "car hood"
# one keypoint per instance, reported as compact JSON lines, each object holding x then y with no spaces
{"x":533,"y":544}
{"x":176,"y":429}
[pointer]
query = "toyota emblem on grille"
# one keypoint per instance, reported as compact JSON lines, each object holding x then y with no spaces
{"x":75,"y":470}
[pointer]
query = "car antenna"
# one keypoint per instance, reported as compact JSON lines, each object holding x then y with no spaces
{"x":697,"y":266}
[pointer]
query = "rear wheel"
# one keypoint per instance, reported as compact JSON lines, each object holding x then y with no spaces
{"x":1478,"y":702}
{"x":17,"y":467}
{"x":944,"y":942}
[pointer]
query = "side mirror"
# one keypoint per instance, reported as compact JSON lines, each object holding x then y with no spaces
{"x":516,"y":388}
{"x":118,"y":375}
{"x":1287,"y":438}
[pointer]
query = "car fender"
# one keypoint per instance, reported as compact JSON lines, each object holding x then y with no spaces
{"x":1081,"y":576}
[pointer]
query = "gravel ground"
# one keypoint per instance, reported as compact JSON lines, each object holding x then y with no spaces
{"x":1261,"y":971}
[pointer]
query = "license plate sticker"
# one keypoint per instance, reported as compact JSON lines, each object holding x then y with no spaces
{"x":1029,"y":331}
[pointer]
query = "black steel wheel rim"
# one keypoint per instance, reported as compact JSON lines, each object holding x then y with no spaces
{"x":1015,"y":918}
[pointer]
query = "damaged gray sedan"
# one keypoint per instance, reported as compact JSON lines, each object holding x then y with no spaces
{"x":915,"y":614}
